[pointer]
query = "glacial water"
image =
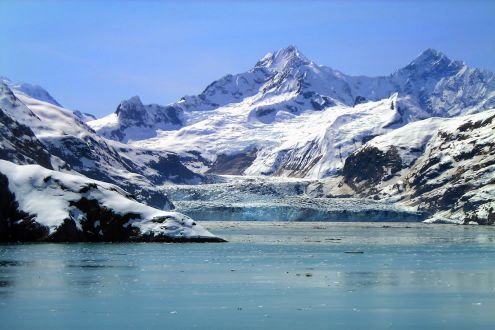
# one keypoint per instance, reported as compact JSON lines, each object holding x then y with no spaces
{"x":269,"y":276}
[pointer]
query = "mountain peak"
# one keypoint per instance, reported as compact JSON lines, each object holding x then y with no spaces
{"x":34,"y":91}
{"x":432,"y":62}
{"x":132,"y":108}
{"x":283,"y":58}
{"x":133,"y":100}
{"x":430,"y":55}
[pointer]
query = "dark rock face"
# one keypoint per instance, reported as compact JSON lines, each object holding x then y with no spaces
{"x":359,"y":100}
{"x":16,"y":225}
{"x":233,"y":164}
{"x":171,"y":169}
{"x":133,"y":113}
{"x":369,"y":166}
{"x":132,"y":110}
{"x":103,"y":220}
{"x":18,"y":143}
{"x":489,"y":220}
{"x":454,"y":192}
{"x":322,"y":102}
{"x":298,"y":162}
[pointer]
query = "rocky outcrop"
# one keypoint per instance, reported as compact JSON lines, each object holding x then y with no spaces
{"x":37,"y":204}
{"x":450,"y":173}
{"x":233,"y":164}
{"x":369,"y":166}
{"x":15,"y":224}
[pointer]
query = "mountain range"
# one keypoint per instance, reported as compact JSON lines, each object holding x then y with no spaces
{"x":422,"y":137}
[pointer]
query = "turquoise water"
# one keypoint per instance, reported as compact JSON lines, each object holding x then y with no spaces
{"x":269,"y":276}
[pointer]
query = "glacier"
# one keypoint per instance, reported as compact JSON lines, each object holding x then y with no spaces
{"x":236,"y":198}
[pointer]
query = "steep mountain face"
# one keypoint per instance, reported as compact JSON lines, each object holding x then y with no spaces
{"x":62,"y":134}
{"x":446,"y":88}
{"x":38,"y":204}
{"x":446,"y":167}
{"x":17,"y":141}
{"x":291,"y":117}
{"x":19,"y":144}
{"x":134,"y":121}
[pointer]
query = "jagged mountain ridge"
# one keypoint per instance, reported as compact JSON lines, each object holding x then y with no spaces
{"x":428,"y":80}
{"x":248,"y":113}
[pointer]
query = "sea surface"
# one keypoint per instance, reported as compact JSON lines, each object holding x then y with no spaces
{"x":271,"y":275}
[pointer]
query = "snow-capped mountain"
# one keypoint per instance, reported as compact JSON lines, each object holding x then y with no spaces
{"x":421,"y":137}
{"x":38,"y":132}
{"x":289,"y":116}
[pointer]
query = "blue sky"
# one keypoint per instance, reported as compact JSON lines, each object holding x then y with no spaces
{"x":91,"y":54}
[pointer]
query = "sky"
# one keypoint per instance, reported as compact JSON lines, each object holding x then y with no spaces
{"x":92,"y":54}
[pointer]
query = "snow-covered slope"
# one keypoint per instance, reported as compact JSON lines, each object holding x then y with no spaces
{"x":34,"y":91}
{"x":64,"y":135}
{"x":39,"y":93}
{"x":291,"y":117}
{"x":444,"y":166}
{"x":38,"y":204}
{"x":17,"y":141}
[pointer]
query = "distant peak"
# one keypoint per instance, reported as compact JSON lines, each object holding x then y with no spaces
{"x":287,"y":57}
{"x":431,"y":54}
{"x":134,"y":99}
{"x":34,"y":91}
{"x":130,"y":106}
{"x":290,"y":50}
{"x":431,"y":57}
{"x":432,"y":61}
